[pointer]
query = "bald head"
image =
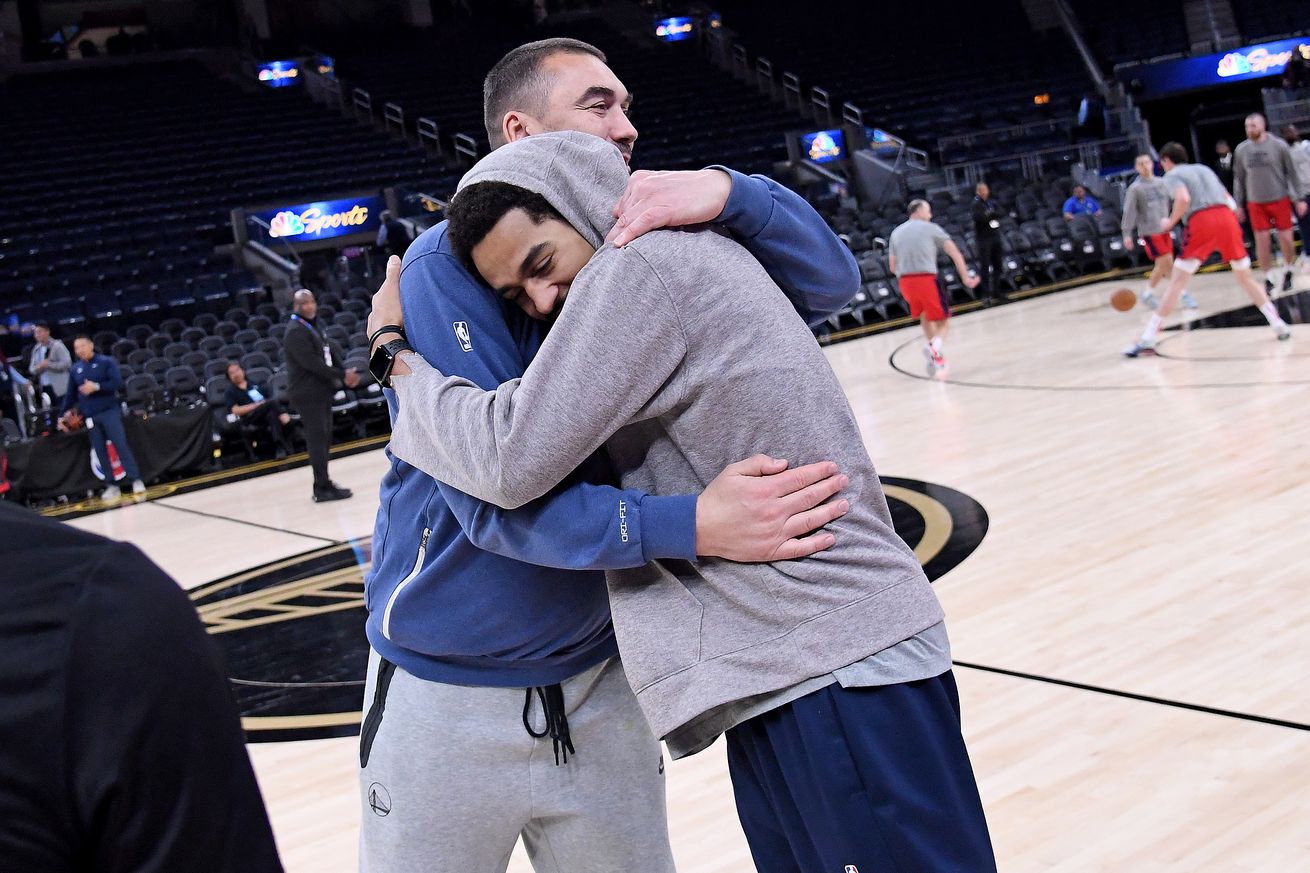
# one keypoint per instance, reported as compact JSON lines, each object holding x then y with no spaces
{"x":304,"y":304}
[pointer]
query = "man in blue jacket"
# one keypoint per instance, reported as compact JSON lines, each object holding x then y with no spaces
{"x":496,"y":706}
{"x":94,"y":391}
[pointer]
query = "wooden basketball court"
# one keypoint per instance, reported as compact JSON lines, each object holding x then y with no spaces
{"x":1130,"y":634}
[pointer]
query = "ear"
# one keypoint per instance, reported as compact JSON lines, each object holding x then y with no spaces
{"x":517,"y":125}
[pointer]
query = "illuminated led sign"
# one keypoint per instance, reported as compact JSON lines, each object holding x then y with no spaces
{"x":278,"y":74}
{"x":311,"y":222}
{"x":674,"y":29}
{"x":823,"y":146}
{"x":1252,"y":62}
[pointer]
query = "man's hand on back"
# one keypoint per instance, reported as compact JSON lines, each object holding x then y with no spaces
{"x":758,"y":510}
{"x":668,"y":198}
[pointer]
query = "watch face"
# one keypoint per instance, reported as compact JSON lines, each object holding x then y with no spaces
{"x":380,"y":364}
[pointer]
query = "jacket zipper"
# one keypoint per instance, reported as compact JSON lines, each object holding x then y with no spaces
{"x":413,"y":574}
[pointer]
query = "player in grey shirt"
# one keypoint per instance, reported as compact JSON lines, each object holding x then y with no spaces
{"x":1300,"y":147}
{"x":1200,"y":200}
{"x":1265,"y":185}
{"x":1146,"y":204}
{"x":913,"y":251}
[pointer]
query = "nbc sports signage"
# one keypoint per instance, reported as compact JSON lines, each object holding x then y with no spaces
{"x":325,"y":219}
{"x":278,"y":74}
{"x":1205,"y":71}
{"x":1259,"y":61}
{"x":675,"y":29}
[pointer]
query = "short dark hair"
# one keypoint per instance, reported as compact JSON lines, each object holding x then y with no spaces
{"x":1076,"y":186}
{"x":85,"y":337}
{"x":1291,"y":134}
{"x":476,"y":209}
{"x":44,"y":325}
{"x":234,"y":362}
{"x":516,"y":82}
{"x":1175,"y":152}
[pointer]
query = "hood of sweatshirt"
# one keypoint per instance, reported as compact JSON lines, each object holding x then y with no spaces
{"x":581,"y":175}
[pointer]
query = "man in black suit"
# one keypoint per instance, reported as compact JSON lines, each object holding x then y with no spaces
{"x":314,"y":367}
{"x":987,"y":217}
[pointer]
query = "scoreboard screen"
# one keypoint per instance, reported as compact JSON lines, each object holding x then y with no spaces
{"x":823,"y":146}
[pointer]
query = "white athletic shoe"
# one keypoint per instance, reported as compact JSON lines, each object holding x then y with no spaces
{"x":1149,"y":300}
{"x":1189,"y":302}
{"x":111,"y":494}
{"x":1282,"y":331}
{"x":930,"y":360}
{"x":1141,"y":348}
{"x":138,"y":487}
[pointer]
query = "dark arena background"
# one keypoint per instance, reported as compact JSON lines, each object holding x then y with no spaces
{"x":1107,"y":491}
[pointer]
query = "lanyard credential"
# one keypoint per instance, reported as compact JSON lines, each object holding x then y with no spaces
{"x":327,"y":350}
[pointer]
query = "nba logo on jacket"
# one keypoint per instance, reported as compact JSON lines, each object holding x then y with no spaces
{"x":462,"y":334}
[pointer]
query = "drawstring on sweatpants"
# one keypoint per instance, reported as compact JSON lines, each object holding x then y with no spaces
{"x":557,"y":723}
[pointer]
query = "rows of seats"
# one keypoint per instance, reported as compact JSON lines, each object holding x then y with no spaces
{"x":176,"y":362}
{"x":119,"y":183}
{"x":1261,"y":19}
{"x":688,"y":112}
{"x":921,"y":70}
{"x":1121,"y":31}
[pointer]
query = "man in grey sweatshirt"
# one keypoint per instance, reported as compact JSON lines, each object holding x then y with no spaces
{"x":1265,"y":186}
{"x":1146,"y":204}
{"x":831,"y":675}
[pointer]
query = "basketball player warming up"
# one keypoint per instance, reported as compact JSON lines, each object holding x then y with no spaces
{"x":1201,"y":201}
{"x":1146,"y":204}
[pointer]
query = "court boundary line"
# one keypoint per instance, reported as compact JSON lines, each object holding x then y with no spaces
{"x":1132,"y":695}
{"x":295,"y":533}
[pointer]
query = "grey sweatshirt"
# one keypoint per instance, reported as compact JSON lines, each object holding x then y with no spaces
{"x":1301,"y":159}
{"x":1146,"y":204}
{"x":680,"y":356}
{"x":1263,"y":172}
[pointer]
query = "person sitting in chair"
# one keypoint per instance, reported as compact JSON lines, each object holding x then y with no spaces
{"x":255,"y":405}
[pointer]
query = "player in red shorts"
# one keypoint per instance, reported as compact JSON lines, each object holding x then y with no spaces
{"x":913,"y":246}
{"x":1146,"y":204}
{"x":1200,"y":198}
{"x":1265,"y":185}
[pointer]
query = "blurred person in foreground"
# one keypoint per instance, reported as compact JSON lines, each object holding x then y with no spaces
{"x":120,"y":746}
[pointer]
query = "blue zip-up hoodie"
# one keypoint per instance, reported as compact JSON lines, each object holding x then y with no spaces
{"x":468,"y":593}
{"x":101,"y":369}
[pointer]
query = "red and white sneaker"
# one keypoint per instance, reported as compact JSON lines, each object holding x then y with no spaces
{"x":934,"y":360}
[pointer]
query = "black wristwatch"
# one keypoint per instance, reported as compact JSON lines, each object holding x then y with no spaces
{"x":384,"y":358}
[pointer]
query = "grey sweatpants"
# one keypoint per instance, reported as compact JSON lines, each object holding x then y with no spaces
{"x":453,"y":779}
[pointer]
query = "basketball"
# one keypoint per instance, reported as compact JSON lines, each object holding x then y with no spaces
{"x":1123,"y":299}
